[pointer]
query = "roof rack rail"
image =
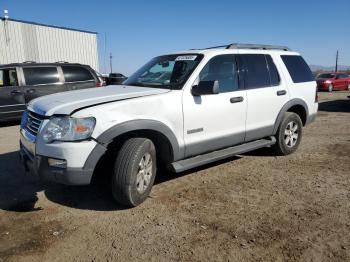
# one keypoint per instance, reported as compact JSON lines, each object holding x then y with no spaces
{"x":62,"y":62}
{"x":29,"y":62}
{"x":249,"y":46}
{"x":257,"y":46}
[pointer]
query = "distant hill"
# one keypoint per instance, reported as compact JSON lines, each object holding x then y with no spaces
{"x":328,"y":68}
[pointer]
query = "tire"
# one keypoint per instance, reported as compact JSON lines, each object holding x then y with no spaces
{"x":330,"y":88}
{"x":134,"y":172}
{"x":286,"y":129}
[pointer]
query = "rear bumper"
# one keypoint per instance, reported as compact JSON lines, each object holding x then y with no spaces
{"x":39,"y":166}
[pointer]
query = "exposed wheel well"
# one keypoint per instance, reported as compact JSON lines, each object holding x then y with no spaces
{"x":163,"y":146}
{"x":300,"y":111}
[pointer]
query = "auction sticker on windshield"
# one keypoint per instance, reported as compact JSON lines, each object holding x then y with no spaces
{"x":186,"y":58}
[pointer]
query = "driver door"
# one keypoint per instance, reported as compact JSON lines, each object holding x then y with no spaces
{"x":215,"y":121}
{"x":12,"y":102}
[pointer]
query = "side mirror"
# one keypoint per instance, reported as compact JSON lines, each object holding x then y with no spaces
{"x":206,"y":88}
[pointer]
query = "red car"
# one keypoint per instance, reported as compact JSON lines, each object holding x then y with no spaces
{"x":333,"y":81}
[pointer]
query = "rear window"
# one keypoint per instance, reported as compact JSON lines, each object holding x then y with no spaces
{"x":298,"y":68}
{"x":325,"y":76}
{"x":76,"y":74}
{"x":40,"y":75}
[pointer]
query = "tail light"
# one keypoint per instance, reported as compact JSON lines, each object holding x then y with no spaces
{"x":99,"y":84}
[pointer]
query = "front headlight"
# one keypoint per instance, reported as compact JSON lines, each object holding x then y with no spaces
{"x":67,"y":128}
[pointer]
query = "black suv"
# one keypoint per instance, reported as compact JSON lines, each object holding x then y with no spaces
{"x":22,"y":82}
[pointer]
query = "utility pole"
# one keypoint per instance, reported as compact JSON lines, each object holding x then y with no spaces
{"x":110,"y":62}
{"x":336,"y":63}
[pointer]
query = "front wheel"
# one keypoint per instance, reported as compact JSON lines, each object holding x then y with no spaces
{"x":330,"y":88}
{"x":289,"y":134}
{"x":134,"y":172}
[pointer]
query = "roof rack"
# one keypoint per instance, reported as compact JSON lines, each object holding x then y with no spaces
{"x":29,"y":62}
{"x":250,"y":46}
{"x":256,"y":46}
{"x":61,"y":62}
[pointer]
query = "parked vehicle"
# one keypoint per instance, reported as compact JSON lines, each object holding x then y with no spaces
{"x":115,"y":79}
{"x":102,"y":78}
{"x":21,"y":82}
{"x":333,"y":81}
{"x":214,"y":103}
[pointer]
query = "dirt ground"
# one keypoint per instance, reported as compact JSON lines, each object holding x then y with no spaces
{"x":254,"y":207}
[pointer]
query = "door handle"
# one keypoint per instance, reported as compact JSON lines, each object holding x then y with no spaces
{"x":31,"y":91}
{"x":236,"y":99}
{"x":16,"y":92}
{"x":281,"y":92}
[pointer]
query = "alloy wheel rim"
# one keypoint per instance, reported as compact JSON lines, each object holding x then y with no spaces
{"x":144,"y":174}
{"x":291,"y":134}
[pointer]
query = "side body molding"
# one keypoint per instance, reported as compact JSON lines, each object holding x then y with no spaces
{"x":289,"y":104}
{"x":143,"y":124}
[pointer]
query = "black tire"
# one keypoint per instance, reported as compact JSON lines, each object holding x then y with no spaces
{"x":126,"y":189}
{"x":282,"y":147}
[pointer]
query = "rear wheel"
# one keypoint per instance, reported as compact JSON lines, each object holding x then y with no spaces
{"x":289,"y":134}
{"x":134,"y":172}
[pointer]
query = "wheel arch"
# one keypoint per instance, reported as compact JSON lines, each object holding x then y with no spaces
{"x":297,"y":106}
{"x":160,"y":134}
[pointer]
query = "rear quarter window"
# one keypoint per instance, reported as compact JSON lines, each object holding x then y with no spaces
{"x":76,"y":74}
{"x":298,"y":68}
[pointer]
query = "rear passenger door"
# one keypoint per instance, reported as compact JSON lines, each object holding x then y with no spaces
{"x":41,"y":81}
{"x":78,"y":77}
{"x":266,"y":94}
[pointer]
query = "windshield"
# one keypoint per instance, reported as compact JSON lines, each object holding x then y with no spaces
{"x":170,"y":71}
{"x":326,"y":76}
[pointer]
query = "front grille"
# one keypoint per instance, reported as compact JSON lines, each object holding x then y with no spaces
{"x":33,"y":122}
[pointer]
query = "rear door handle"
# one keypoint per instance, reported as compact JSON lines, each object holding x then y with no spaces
{"x":30,"y":91}
{"x":236,"y":99}
{"x":281,"y":92}
{"x":16,"y":92}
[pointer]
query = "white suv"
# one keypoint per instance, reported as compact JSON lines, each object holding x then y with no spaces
{"x":180,"y":110}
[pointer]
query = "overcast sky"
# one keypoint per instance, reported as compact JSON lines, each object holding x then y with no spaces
{"x":138,"y":30}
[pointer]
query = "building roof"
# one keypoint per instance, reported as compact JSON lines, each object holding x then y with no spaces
{"x":52,"y":26}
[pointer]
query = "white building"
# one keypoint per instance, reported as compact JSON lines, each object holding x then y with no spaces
{"x":22,"y":41}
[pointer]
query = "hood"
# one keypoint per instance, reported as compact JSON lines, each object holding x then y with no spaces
{"x":67,"y":102}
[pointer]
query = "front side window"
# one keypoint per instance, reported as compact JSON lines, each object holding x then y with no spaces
{"x":223,"y":69}
{"x":298,"y":69}
{"x":76,"y":74}
{"x":40,"y":75}
{"x":8,"y":77}
{"x":342,"y":76}
{"x":170,"y":71}
{"x":256,"y":71}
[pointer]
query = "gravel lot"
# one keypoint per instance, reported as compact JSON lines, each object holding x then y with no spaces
{"x":254,"y":207}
